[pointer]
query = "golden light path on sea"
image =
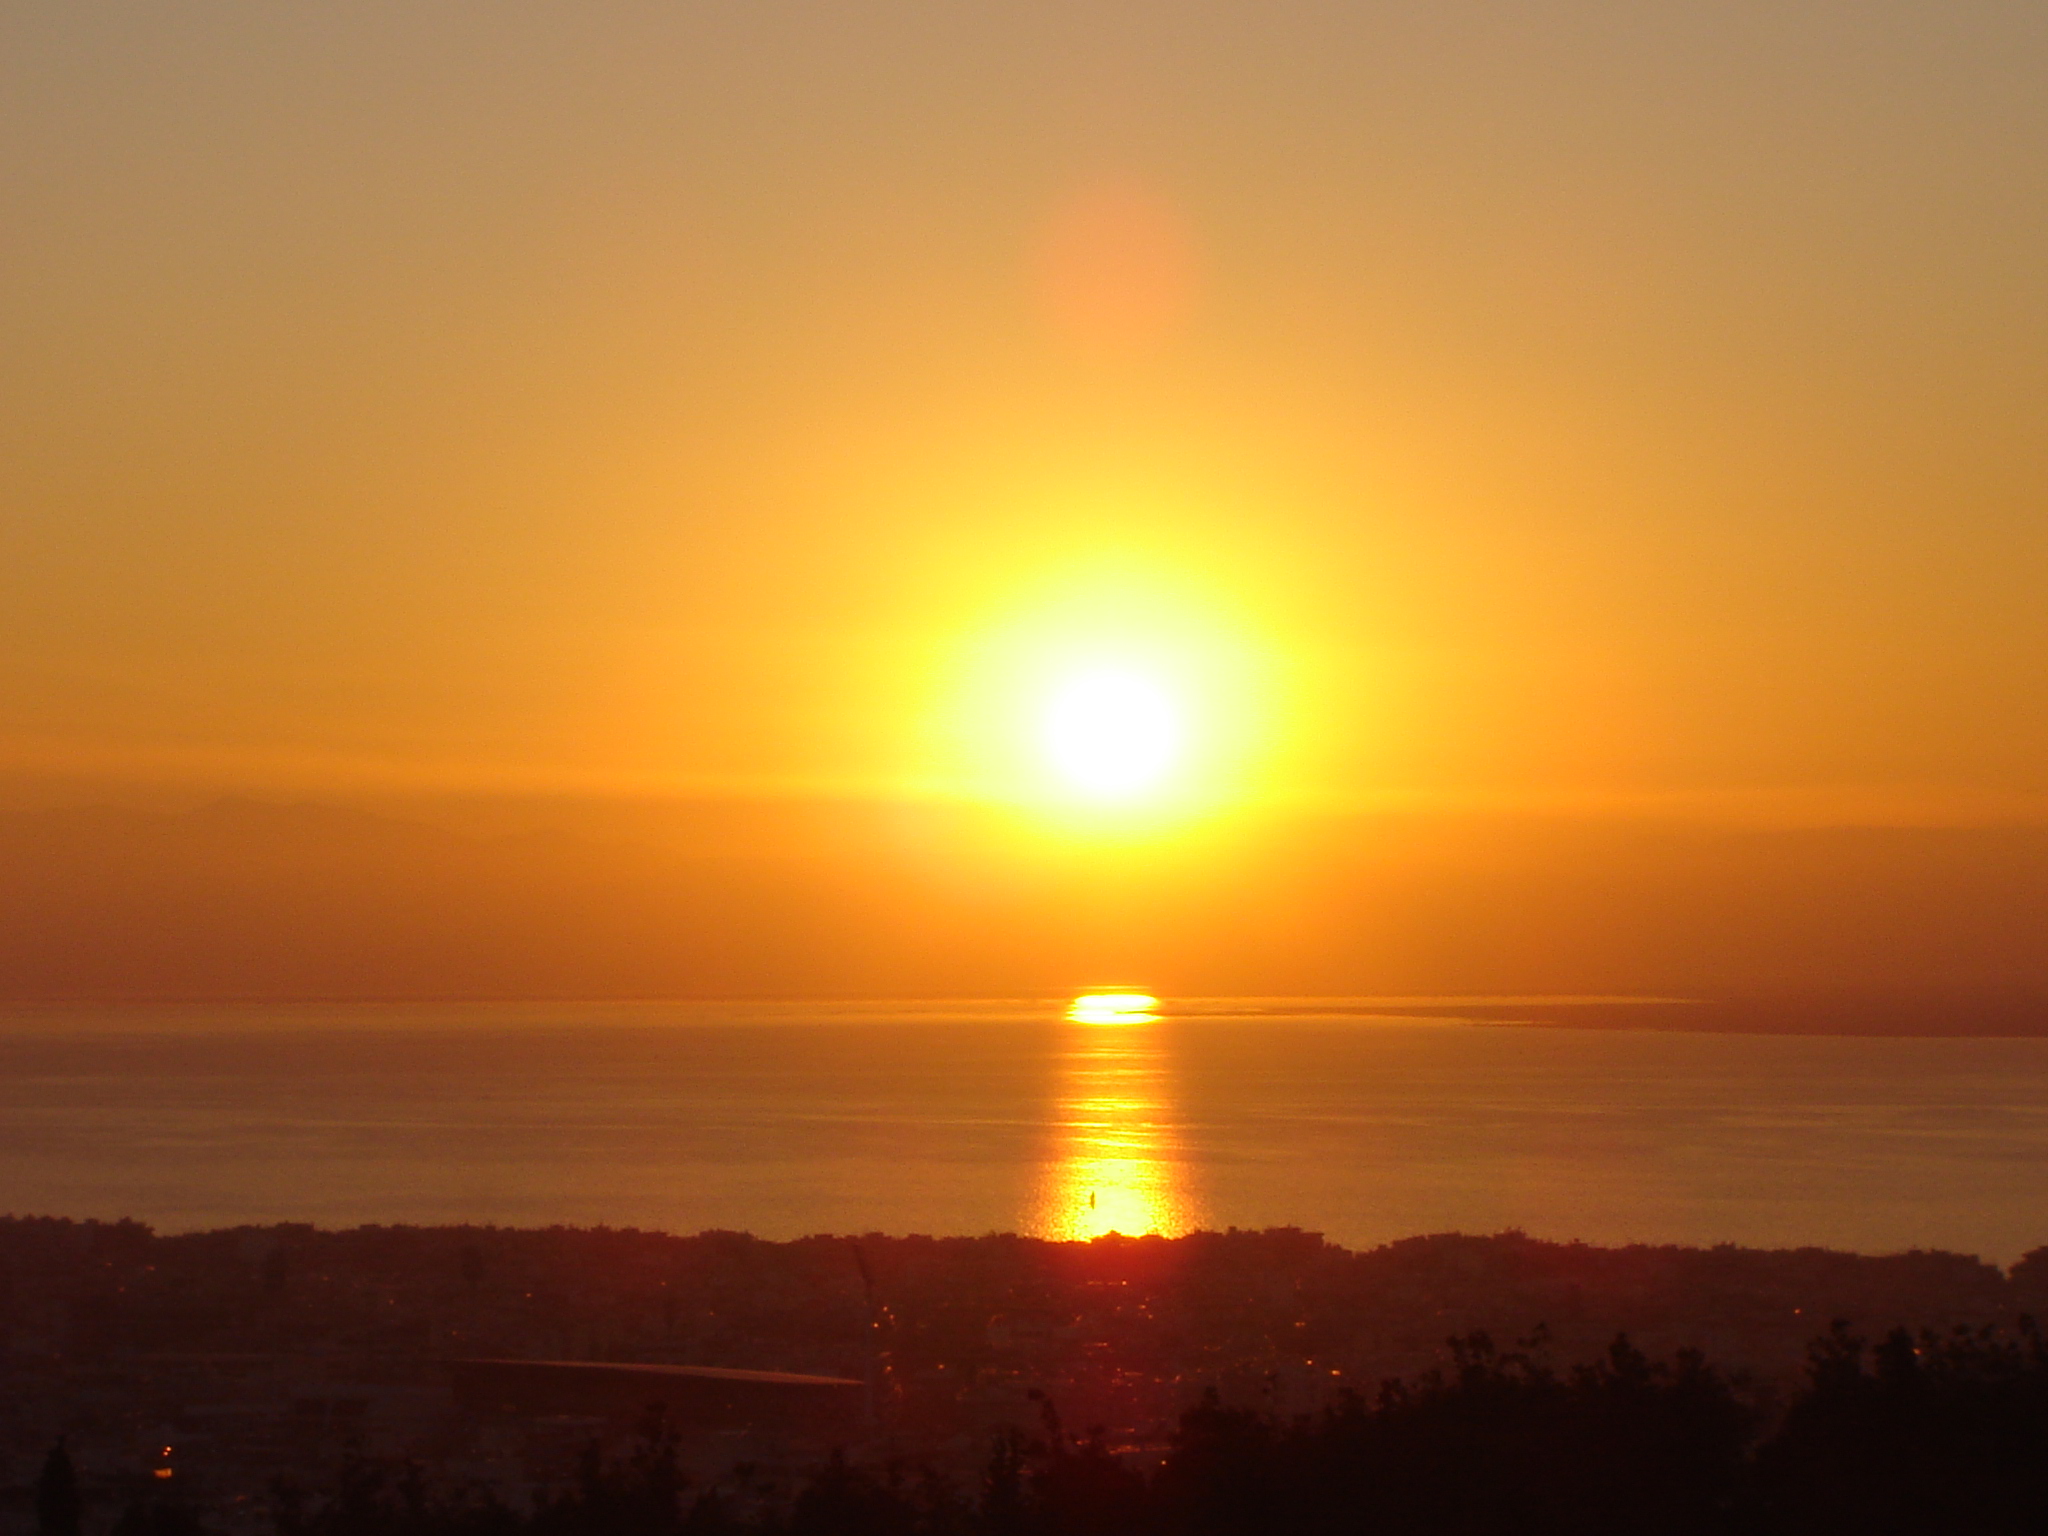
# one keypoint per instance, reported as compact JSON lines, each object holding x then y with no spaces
{"x":1116,"y":1164}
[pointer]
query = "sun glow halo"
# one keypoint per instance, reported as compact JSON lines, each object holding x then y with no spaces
{"x":1112,"y":734}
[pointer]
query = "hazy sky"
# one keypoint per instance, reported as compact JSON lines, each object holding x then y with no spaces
{"x":1598,"y":403}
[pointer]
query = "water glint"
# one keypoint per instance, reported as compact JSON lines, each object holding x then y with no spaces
{"x":1117,"y":1164}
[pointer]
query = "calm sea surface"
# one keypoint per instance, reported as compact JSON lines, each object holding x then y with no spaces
{"x":966,"y":1118}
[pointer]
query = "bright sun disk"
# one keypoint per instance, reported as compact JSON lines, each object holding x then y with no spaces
{"x":1112,"y":734}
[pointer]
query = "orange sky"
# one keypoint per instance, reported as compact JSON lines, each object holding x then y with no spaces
{"x":1609,"y":406}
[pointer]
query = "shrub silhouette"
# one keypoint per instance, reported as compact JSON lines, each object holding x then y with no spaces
{"x":1500,"y":1443}
{"x":1922,"y":1433}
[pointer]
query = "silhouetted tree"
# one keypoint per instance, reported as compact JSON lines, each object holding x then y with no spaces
{"x":57,"y":1503}
{"x":1079,"y":1488}
{"x":1002,"y":1484}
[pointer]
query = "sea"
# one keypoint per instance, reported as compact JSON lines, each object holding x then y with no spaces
{"x":1054,"y":1117}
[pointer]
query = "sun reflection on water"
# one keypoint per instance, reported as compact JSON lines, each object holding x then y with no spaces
{"x":1117,"y":1164}
{"x":1112,"y":1008}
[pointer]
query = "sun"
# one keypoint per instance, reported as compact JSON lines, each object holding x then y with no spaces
{"x":1112,"y":733}
{"x":1111,"y":703}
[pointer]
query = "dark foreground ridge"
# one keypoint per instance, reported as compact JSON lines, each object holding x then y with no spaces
{"x":462,"y":1379}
